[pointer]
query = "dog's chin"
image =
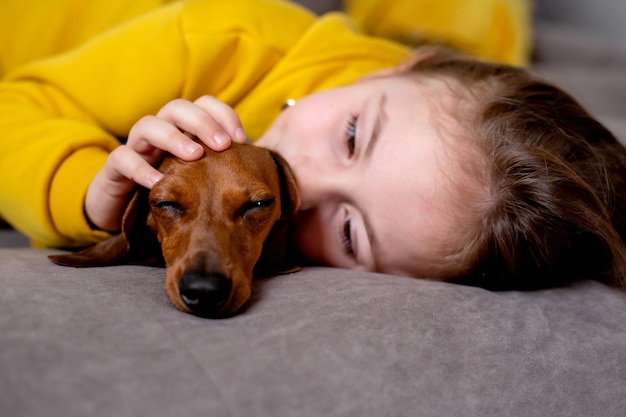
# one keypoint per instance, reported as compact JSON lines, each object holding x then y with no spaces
{"x":218,"y":315}
{"x":236,"y":305}
{"x":207,"y":313}
{"x":180,"y":305}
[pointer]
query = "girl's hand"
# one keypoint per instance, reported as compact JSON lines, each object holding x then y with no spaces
{"x":210,"y":120}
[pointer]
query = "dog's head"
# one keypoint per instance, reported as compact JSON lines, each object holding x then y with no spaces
{"x":213,"y":223}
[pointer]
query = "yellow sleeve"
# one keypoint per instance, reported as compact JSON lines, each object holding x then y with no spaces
{"x":498,"y":30}
{"x":33,"y":29}
{"x":332,"y":53}
{"x":60,"y":117}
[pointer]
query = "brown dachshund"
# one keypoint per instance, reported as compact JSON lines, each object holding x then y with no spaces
{"x":213,"y":223}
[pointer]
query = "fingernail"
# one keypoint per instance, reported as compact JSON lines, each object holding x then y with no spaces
{"x":220,"y":138}
{"x":240,"y":135}
{"x":190,"y":148}
{"x":154,"y":178}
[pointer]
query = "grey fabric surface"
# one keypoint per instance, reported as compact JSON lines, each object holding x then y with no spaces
{"x":321,"y":342}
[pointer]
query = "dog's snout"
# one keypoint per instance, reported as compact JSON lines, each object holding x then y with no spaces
{"x":204,"y":294}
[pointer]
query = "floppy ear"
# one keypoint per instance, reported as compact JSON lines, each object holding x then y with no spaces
{"x":278,"y":256}
{"x":289,"y":194}
{"x":135,"y":245}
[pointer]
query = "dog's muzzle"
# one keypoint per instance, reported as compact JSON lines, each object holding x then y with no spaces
{"x":204,"y":294}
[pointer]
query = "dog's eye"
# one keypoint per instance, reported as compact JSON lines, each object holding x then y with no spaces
{"x":167,"y":205}
{"x":254,"y":205}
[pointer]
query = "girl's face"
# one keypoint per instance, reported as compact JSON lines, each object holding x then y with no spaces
{"x":374,"y":175}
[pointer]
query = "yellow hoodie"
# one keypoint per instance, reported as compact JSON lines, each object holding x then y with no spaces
{"x":61,"y":115}
{"x":497,"y":30}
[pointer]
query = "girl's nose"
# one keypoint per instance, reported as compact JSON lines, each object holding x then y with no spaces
{"x":317,"y":184}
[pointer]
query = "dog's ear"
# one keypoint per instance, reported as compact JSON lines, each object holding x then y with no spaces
{"x":290,"y":196}
{"x":278,"y":256}
{"x":135,"y":245}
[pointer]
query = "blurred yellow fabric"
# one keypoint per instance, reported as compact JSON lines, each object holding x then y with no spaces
{"x":498,"y":30}
{"x":35,"y":29}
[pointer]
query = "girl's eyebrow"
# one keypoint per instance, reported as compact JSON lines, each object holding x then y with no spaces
{"x":381,"y":117}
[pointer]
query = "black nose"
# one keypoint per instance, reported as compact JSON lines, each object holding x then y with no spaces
{"x":205,"y":295}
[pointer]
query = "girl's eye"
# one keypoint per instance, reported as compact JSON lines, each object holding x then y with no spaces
{"x":346,"y":237}
{"x":351,"y":134}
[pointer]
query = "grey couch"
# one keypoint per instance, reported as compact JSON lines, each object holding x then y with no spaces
{"x":321,"y":342}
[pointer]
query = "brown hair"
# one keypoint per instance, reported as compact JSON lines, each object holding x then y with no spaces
{"x":556,"y":181}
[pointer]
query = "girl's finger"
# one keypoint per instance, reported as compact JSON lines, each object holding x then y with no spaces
{"x":152,"y":135}
{"x":124,"y":165}
{"x":195,"y":120}
{"x":224,"y":115}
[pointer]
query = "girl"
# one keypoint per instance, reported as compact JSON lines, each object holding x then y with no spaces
{"x":447,"y":168}
{"x":440,"y":167}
